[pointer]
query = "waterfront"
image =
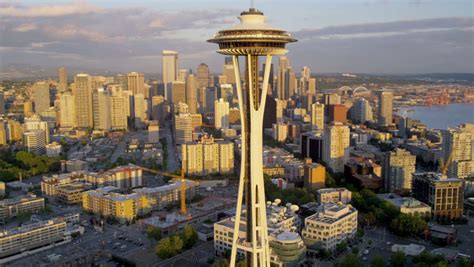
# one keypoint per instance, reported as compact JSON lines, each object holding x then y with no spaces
{"x":443,"y":116}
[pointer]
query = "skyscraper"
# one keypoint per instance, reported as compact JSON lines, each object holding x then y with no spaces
{"x":221,"y":114}
{"x":182,"y":74}
{"x":136,"y":83}
{"x":119,"y":107}
{"x":336,"y":146}
{"x":139,"y":111}
{"x":34,"y":141}
{"x":361,"y":111}
{"x":2,"y":103}
{"x":203,"y":75}
{"x":183,"y":127}
{"x":62,"y":74}
{"x":252,"y":38}
{"x":385,"y":108}
{"x":399,"y":166}
{"x":191,"y":93}
{"x":459,"y":143}
{"x":317,"y":116}
{"x":67,"y":110}
{"x":170,"y":69}
{"x":83,"y":101}
{"x":101,"y":108}
{"x":157,"y":107}
{"x":178,"y":92}
{"x":337,"y":113}
{"x":41,"y":97}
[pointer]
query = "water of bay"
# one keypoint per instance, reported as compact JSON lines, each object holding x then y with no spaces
{"x":441,"y":117}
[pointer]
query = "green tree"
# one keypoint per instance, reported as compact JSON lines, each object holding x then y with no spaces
{"x":242,"y":263}
{"x":169,"y":247}
{"x":378,"y":261}
{"x":350,"y":260}
{"x":153,"y":233}
{"x":406,"y":224}
{"x":397,"y":259}
{"x":190,"y":236}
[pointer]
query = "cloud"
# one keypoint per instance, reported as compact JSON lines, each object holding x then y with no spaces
{"x":77,"y":7}
{"x":25,"y":27}
{"x":125,"y":39}
{"x":388,"y":28}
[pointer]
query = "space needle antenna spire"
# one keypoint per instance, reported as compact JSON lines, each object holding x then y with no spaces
{"x":252,"y":40}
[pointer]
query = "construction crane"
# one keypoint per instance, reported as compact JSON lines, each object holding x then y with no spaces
{"x":183,"y":210}
{"x":443,"y":167}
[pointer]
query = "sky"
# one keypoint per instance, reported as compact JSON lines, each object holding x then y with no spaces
{"x":343,"y":36}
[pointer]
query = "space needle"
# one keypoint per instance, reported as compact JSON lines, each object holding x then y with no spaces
{"x":251,"y":39}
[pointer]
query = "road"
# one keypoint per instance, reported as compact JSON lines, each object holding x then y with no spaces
{"x":172,"y":161}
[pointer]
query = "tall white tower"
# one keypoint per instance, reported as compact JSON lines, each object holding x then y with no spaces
{"x":251,"y":39}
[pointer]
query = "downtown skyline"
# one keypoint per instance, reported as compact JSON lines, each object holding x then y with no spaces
{"x":401,"y":37}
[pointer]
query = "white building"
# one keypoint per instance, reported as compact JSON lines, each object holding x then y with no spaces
{"x":283,"y":224}
{"x":35,"y":141}
{"x":332,"y":224}
{"x":53,"y":150}
{"x":221,"y":114}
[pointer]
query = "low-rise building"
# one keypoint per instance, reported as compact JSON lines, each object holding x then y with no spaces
{"x":32,"y":236}
{"x":333,"y":195}
{"x":283,"y":225}
{"x":407,"y":205}
{"x":72,"y":193}
{"x":331,"y":225}
{"x":24,"y":204}
{"x":107,"y":202}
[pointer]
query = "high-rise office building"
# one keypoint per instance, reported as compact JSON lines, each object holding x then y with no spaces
{"x":62,"y":75}
{"x":154,"y":132}
{"x":35,"y":123}
{"x":283,"y":66}
{"x":41,"y":97}
{"x":331,"y":99}
{"x":169,"y":69}
{"x":67,"y":110}
{"x":183,"y":128}
{"x":221,"y":114}
{"x":122,"y":80}
{"x":314,"y":175}
{"x":101,"y":109}
{"x":317,"y":116}
{"x":28,"y":108}
{"x":157,"y":109}
{"x":361,"y":111}
{"x":14,"y":130}
{"x":459,"y":143}
{"x":385,"y":108}
{"x":83,"y":101}
{"x":228,"y":73}
{"x":444,"y":195}
{"x":336,"y":146}
{"x":35,"y":141}
{"x":203,"y":75}
{"x":236,"y":42}
{"x":2,"y":103}
{"x":139,"y":105}
{"x":3,"y":132}
{"x":178,"y":92}
{"x":337,"y":113}
{"x":119,"y":107}
{"x":136,"y":83}
{"x":399,"y":166}
{"x":312,"y":146}
{"x":182,"y":74}
{"x":191,"y":93}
